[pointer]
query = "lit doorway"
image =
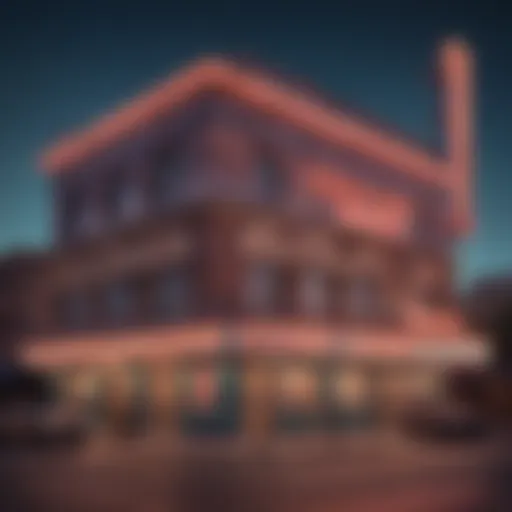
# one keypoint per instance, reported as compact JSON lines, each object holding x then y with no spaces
{"x":211,"y":398}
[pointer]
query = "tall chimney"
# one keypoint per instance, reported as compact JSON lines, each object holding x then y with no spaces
{"x":456,"y":67}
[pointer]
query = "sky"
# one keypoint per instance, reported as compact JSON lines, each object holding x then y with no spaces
{"x":64,"y":64}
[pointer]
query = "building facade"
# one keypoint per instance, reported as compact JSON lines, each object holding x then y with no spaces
{"x":236,"y":255}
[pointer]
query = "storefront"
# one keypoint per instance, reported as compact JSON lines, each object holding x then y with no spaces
{"x":295,"y":380}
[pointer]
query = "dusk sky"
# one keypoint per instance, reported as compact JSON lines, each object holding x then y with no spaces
{"x":65,"y":63}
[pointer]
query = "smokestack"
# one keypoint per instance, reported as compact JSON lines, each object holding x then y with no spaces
{"x":456,"y":67}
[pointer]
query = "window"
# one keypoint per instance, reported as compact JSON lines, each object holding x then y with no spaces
{"x":120,"y":303}
{"x":131,"y":204}
{"x":363,"y":300}
{"x":124,"y":199}
{"x":167,"y":177}
{"x":71,"y":210}
{"x":260,"y":290}
{"x":75,"y":310}
{"x":272,"y":177}
{"x":173,"y":295}
{"x":89,"y":221}
{"x":312,"y":293}
{"x":79,"y":215}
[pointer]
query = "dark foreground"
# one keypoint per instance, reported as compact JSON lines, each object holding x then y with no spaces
{"x":299,"y":475}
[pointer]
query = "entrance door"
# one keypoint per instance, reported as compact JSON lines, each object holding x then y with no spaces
{"x":299,"y":403}
{"x":138,"y":413}
{"x":211,"y":399}
{"x":350,"y":399}
{"x":92,"y":394}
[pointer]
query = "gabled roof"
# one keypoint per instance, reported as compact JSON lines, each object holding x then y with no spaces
{"x":267,"y":92}
{"x":274,"y":96}
{"x":321,"y":97}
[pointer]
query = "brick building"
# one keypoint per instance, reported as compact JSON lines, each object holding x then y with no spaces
{"x":235,"y":253}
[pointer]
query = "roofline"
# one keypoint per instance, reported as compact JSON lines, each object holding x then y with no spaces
{"x":277,"y":98}
{"x":451,"y":172}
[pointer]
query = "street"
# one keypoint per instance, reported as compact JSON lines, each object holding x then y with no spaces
{"x":323,"y":475}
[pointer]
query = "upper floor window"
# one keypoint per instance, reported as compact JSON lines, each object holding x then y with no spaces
{"x":173,"y":295}
{"x":120,"y":303}
{"x":167,"y":176}
{"x":362,"y":297}
{"x":79,"y":215}
{"x":124,"y":198}
{"x":272,"y":176}
{"x":260,"y":291}
{"x":313,"y":293}
{"x":75,"y":310}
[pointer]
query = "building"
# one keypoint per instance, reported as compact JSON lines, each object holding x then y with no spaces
{"x":236,"y":254}
{"x":17,"y":271}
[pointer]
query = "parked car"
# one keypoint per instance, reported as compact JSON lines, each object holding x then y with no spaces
{"x":30,"y":415}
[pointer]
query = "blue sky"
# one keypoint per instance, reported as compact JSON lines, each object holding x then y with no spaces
{"x":63,"y":65}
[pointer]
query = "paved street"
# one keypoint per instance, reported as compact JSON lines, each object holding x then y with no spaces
{"x":323,"y":475}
